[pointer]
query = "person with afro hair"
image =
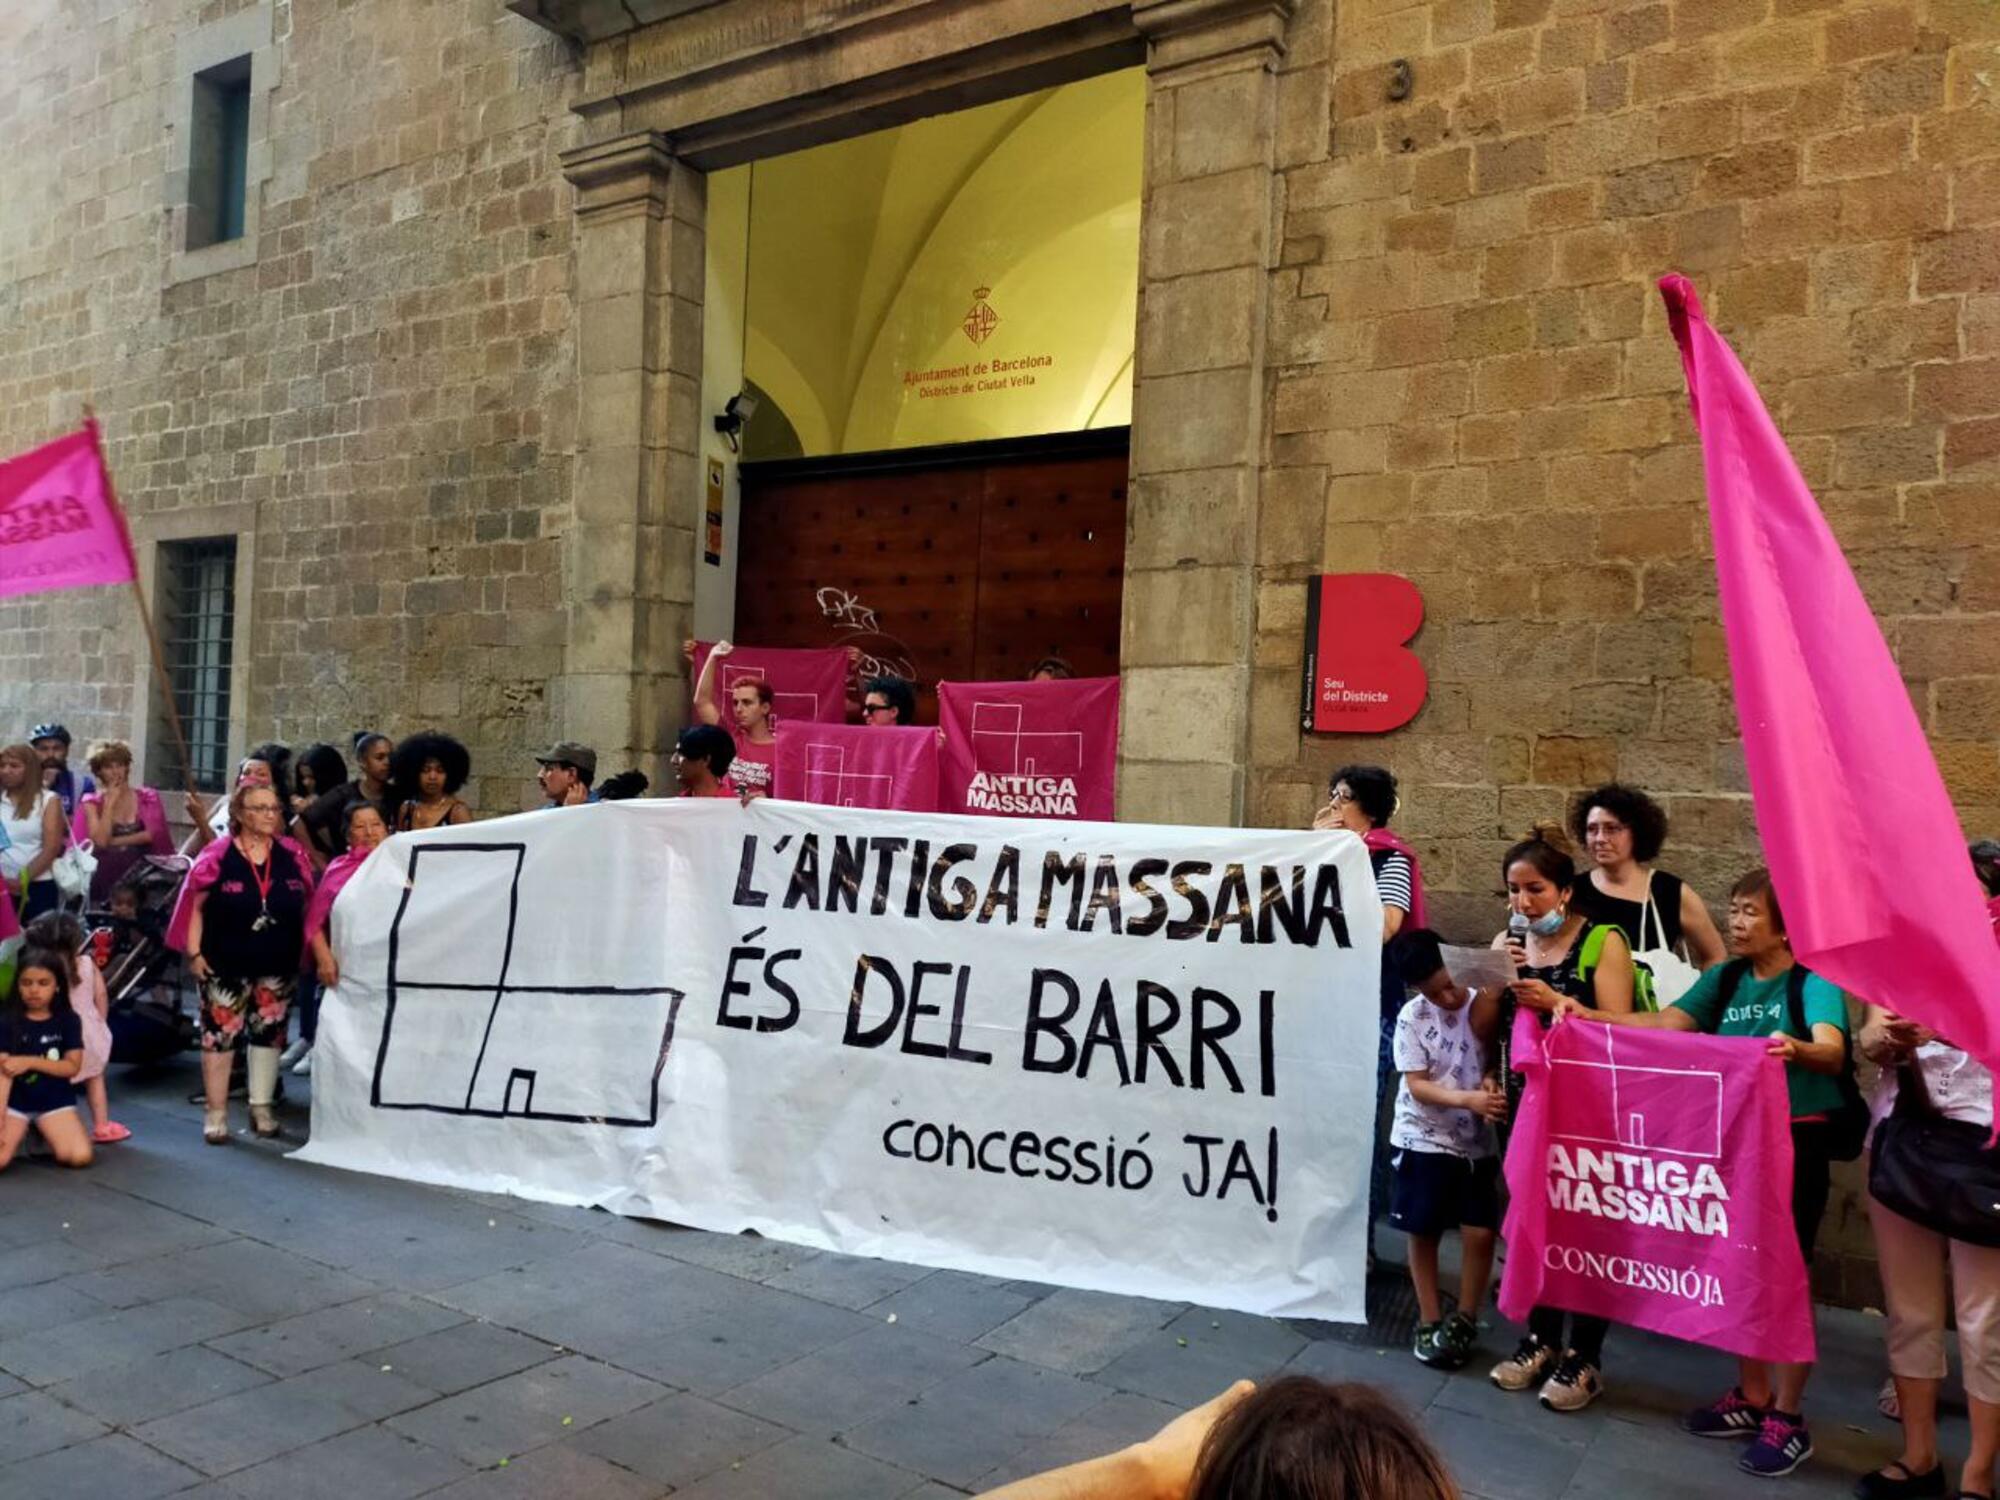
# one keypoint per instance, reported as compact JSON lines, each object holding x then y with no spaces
{"x":426,"y":771}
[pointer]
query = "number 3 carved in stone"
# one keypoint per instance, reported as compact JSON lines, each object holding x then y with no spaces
{"x":1361,"y":677}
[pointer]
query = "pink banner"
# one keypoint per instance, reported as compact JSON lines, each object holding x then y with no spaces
{"x":1030,"y":749}
{"x":59,"y":526}
{"x":851,"y":765}
{"x":1651,"y":1179}
{"x":807,"y":687}
{"x":1837,"y":758}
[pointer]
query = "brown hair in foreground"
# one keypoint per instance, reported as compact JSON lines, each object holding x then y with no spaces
{"x":1303,"y":1439}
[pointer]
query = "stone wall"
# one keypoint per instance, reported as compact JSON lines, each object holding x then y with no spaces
{"x":389,"y":388}
{"x":1475,"y":387}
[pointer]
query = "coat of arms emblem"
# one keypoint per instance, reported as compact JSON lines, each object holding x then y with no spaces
{"x":982,"y":319}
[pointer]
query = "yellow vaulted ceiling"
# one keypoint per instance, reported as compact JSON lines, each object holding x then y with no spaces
{"x":865,"y":257}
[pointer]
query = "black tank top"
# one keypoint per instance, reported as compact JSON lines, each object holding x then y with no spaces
{"x":1663,"y":931}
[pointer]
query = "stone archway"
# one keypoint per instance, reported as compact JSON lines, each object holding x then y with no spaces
{"x":673,"y":88}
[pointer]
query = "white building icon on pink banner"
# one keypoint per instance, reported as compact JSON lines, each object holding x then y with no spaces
{"x":1671,"y":1111}
{"x":801,"y":707}
{"x":1001,"y":746}
{"x":830,"y":783}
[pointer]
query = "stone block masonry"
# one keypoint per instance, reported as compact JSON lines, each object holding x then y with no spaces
{"x":389,"y":386}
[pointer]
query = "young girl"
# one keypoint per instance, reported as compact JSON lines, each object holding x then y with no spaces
{"x":41,"y":1052}
{"x":59,"y":932}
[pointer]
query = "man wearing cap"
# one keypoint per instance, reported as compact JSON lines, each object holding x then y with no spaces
{"x":566,"y":774}
{"x":51,"y":742}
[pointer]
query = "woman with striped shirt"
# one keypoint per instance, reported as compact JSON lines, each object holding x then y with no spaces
{"x":1362,"y":799}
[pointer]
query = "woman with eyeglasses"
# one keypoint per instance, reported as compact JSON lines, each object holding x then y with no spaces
{"x":1362,"y":799}
{"x":241,"y":921}
{"x":1622,"y":830}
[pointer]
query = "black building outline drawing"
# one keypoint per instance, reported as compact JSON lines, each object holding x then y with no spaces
{"x":520,"y":1081}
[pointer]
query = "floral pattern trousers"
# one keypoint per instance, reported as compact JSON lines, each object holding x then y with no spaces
{"x":239,"y":1011}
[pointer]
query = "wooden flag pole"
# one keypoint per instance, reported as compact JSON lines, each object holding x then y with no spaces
{"x":145,"y":613}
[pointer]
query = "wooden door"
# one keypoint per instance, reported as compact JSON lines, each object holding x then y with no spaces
{"x":967,"y":568}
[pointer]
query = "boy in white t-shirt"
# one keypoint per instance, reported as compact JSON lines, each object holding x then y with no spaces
{"x":1446,"y":1171}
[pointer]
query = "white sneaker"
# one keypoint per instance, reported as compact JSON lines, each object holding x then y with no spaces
{"x":304,"y":1066}
{"x":293,"y":1053}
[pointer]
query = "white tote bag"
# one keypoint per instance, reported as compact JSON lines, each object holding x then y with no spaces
{"x":1673,"y":975}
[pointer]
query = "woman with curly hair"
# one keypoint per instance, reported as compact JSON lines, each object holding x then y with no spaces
{"x":1622,"y":829}
{"x":426,"y":771}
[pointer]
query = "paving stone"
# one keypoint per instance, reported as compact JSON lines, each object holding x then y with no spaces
{"x":117,"y":1338}
{"x":736,"y":1342}
{"x":679,"y":1439}
{"x":1183,"y":1374}
{"x":520,"y":1412}
{"x":158,"y":1385}
{"x":260,"y":1281}
{"x":251,"y":1427}
{"x":1258,"y":1343}
{"x":850,"y":1382}
{"x":559,"y":1471}
{"x":847,"y":1280}
{"x":45,"y":1309}
{"x":472,"y":1353}
{"x":369,"y":1463}
{"x":291,"y":1346}
{"x":1391,"y":1371}
{"x":1511,"y":1463}
{"x":1079,"y":1332}
{"x":1115,"y":1423}
{"x":107,"y":1468}
{"x":930,"y":1489}
{"x":749,"y":1256}
{"x":33,"y":1423}
{"x":972,"y":1423}
{"x":805,"y":1466}
{"x":953,"y":1305}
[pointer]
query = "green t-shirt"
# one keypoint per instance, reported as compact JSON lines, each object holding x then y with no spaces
{"x":1758,"y":1008}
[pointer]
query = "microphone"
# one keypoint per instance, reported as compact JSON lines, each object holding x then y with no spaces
{"x":1517,"y":928}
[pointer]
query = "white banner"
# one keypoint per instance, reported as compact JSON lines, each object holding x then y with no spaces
{"x":1128,"y":1058}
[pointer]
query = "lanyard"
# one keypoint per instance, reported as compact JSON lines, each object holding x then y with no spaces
{"x":262,"y":878}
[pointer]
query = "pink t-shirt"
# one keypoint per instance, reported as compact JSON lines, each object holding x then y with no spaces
{"x":751,"y":770}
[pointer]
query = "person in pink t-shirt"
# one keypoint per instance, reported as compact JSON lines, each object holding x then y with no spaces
{"x":750,"y":707}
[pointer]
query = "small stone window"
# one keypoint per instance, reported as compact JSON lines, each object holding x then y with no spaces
{"x":195,"y":596}
{"x":218,"y":153}
{"x":219,"y":148}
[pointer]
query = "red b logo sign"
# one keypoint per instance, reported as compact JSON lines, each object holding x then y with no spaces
{"x":1360,"y":676}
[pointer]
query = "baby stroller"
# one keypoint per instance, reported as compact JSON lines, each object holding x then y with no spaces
{"x":142,"y":975}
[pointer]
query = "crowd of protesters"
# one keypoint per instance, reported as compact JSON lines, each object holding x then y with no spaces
{"x":1624,"y":943}
{"x":1618,"y":940}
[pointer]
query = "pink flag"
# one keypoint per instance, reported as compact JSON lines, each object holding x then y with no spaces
{"x":806,"y":686}
{"x":1866,"y":850}
{"x":851,"y":765}
{"x":1030,"y":749}
{"x":59,"y":526}
{"x":1651,"y":1182}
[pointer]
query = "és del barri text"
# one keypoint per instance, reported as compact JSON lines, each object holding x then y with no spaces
{"x":1198,"y":1039}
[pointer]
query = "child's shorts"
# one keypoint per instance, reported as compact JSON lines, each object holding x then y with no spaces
{"x":1435,"y":1191}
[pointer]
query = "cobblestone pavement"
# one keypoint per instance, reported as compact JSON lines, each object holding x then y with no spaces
{"x":193,"y":1321}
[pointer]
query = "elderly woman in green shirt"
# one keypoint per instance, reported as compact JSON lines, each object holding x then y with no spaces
{"x":1756,"y":994}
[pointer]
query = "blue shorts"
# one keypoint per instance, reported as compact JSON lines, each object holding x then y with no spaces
{"x":1435,"y":1191}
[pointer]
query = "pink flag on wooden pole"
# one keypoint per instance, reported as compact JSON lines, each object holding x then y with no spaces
{"x":60,"y":527}
{"x":1863,"y":842}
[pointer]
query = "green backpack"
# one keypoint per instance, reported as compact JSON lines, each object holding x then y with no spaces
{"x":1592,"y":949}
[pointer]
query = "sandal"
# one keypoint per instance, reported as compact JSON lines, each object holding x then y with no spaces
{"x":263,"y":1122}
{"x":110,"y":1133}
{"x":215,"y":1126}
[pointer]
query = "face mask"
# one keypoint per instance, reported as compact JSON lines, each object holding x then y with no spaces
{"x":1548,"y":924}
